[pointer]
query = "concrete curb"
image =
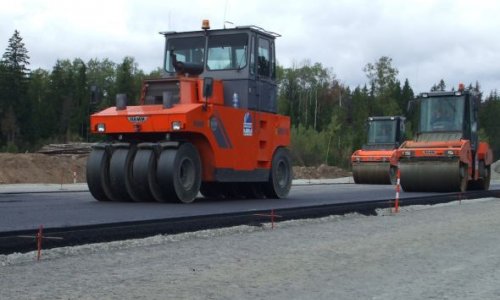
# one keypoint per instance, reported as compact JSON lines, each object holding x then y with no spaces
{"x":82,"y":187}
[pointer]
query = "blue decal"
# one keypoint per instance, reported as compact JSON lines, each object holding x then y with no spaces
{"x":247,"y":125}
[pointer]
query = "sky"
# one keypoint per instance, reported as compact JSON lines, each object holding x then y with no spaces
{"x":454,"y":40}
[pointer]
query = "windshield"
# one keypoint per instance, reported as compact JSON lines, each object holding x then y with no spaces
{"x":186,"y":49}
{"x":441,"y":114}
{"x":381,"y":132}
{"x":225,"y":52}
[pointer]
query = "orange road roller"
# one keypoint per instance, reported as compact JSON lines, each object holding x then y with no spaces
{"x":377,"y":162}
{"x":209,"y":125}
{"x":446,"y":154}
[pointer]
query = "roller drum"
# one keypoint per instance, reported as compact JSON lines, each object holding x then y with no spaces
{"x":371,"y":173}
{"x":433,"y":176}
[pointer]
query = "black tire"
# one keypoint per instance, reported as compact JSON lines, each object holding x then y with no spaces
{"x":482,"y":183}
{"x":98,"y":173}
{"x":120,"y":169}
{"x":280,"y":177}
{"x":143,"y":168}
{"x":485,"y":181}
{"x":179,"y":173}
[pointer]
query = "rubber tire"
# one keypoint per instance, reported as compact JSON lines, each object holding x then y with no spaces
{"x":120,"y":169}
{"x":485,"y":182}
{"x":98,"y":174}
{"x":143,"y":168}
{"x":179,"y":173}
{"x":280,"y":177}
{"x":482,"y":183}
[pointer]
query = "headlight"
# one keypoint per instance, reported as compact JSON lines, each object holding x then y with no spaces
{"x":407,"y":153}
{"x":176,"y":125}
{"x":101,"y":127}
{"x":450,"y":152}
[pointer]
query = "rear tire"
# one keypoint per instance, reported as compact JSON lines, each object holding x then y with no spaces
{"x":280,"y":178}
{"x":482,"y":183}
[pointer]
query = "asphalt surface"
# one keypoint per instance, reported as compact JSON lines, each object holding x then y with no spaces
{"x":26,"y":207}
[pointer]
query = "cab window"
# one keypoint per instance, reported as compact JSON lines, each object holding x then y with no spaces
{"x":264,"y":57}
{"x":227,"y":52}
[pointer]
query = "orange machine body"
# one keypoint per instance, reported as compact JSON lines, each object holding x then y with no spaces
{"x":375,"y":156}
{"x":234,"y":143}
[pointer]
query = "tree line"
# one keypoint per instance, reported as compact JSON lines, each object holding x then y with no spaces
{"x":328,"y":118}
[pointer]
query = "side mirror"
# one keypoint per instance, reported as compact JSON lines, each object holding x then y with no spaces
{"x":208,"y":87}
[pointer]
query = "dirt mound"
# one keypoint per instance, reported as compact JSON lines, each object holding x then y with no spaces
{"x":64,"y":168}
{"x":323,"y":171}
{"x":41,"y":168}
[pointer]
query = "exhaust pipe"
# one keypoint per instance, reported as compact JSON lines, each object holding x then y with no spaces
{"x":121,"y":101}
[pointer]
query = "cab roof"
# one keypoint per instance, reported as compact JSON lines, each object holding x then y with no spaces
{"x":247,"y":28}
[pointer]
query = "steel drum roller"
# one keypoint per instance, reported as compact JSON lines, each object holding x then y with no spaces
{"x":433,"y":176}
{"x":371,"y":173}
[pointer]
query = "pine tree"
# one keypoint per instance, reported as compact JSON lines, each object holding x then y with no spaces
{"x":14,"y":77}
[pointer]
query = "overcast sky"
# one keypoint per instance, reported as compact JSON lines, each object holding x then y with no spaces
{"x":456,"y":40}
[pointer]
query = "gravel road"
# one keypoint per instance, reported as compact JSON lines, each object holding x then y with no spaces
{"x":449,"y":251}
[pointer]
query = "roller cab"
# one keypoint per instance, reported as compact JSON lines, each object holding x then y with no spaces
{"x":376,"y":161}
{"x":209,"y":125}
{"x":446,"y":154}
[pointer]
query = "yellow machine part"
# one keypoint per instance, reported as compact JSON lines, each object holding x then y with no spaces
{"x":433,"y":176}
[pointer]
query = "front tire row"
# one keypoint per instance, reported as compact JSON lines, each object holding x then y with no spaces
{"x":149,"y":172}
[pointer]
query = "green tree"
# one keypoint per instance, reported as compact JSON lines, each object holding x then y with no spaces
{"x":441,"y":86}
{"x":381,"y":74}
{"x":14,"y":80}
{"x":125,"y":79}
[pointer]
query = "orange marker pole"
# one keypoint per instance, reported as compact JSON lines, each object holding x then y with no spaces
{"x":39,"y":237}
{"x":396,"y":202}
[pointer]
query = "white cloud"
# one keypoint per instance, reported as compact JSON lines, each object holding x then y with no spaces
{"x":428,"y":40}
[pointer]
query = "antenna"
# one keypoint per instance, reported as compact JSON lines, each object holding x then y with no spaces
{"x":227,"y":22}
{"x":169,"y":20}
{"x":225,"y":13}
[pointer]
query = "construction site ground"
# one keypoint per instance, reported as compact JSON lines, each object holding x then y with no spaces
{"x":68,"y":168}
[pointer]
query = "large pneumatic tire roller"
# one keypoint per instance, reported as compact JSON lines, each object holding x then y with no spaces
{"x":374,"y":173}
{"x":433,"y":176}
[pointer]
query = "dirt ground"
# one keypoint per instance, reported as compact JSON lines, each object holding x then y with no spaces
{"x":41,"y":168}
{"x":65,"y":168}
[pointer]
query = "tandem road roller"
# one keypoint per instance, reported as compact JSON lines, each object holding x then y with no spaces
{"x":376,"y":162}
{"x":446,"y":154}
{"x":210,"y":125}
